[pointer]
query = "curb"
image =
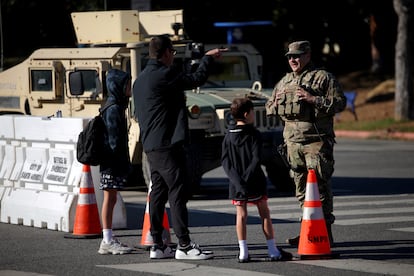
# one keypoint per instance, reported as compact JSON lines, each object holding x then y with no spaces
{"x":375,"y":134}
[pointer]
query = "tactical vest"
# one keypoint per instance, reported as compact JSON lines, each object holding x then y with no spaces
{"x":289,"y":107}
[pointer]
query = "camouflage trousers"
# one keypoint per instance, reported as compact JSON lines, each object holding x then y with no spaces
{"x":318,"y":156}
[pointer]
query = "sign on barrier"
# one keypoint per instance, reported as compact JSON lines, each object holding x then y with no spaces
{"x":34,"y":166}
{"x":58,"y":167}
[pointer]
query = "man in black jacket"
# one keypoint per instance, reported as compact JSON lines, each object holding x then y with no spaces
{"x":160,"y":108}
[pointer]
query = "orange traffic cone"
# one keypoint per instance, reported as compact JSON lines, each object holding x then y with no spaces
{"x":314,"y":239}
{"x":146,"y":239}
{"x":87,"y":223}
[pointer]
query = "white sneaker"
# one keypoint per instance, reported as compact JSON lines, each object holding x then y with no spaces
{"x":163,"y":252}
{"x":114,"y":248}
{"x":192,"y":252}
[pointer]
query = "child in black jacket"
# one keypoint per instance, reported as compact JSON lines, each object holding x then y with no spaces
{"x":241,"y":151}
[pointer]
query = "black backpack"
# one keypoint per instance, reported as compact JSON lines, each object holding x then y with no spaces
{"x":90,"y":148}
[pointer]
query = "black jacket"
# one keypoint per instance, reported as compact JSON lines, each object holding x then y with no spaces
{"x":117,"y":162}
{"x":160,"y":103}
{"x":241,"y":160}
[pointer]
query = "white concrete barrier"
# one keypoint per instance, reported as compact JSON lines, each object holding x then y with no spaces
{"x":8,"y":158}
{"x":7,"y":127}
{"x":39,"y":173}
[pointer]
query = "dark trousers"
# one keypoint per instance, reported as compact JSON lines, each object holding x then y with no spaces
{"x":168,"y":176}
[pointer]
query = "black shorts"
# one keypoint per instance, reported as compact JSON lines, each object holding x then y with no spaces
{"x":112,"y":182}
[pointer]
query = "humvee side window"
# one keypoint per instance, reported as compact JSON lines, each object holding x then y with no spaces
{"x":89,"y":80}
{"x":82,"y":81}
{"x":41,"y":80}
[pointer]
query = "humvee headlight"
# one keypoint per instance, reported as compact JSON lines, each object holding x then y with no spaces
{"x":230,"y":122}
{"x":194,"y":111}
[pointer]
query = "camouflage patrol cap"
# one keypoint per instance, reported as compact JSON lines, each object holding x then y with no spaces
{"x":298,"y":48}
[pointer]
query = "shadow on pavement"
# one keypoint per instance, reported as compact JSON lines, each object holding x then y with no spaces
{"x":372,"y":186}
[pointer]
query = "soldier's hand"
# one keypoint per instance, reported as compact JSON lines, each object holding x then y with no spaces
{"x":279,"y":95}
{"x":304,"y":95}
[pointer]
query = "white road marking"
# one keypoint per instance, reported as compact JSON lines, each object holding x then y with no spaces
{"x":184,"y":269}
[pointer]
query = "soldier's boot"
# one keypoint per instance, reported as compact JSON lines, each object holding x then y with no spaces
{"x":294,"y":240}
{"x":329,"y":229}
{"x":329,"y":221}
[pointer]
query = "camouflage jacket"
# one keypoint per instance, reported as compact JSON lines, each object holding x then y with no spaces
{"x":320,"y":124}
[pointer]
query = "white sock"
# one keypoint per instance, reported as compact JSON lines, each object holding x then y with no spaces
{"x":272,"y":249}
{"x":107,"y":235}
{"x":244,"y":252}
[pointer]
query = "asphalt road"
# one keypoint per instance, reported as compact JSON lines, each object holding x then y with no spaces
{"x":373,"y":231}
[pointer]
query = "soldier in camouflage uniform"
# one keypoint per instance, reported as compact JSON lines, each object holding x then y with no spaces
{"x":307,"y":100}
